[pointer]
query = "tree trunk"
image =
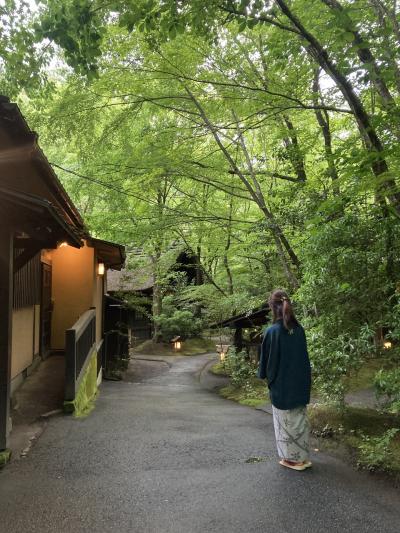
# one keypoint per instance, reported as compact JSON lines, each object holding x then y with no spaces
{"x":155,"y":259}
{"x":383,"y":14}
{"x":373,"y":144}
{"x":366,"y":57}
{"x":323,"y":121}
{"x":256,"y":195}
{"x":227,"y":246}
{"x":293,"y":149}
{"x":199,"y":271}
{"x":157,"y":294}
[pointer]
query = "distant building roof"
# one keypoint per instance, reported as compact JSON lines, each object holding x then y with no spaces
{"x":256,"y":317}
{"x":137,"y":280}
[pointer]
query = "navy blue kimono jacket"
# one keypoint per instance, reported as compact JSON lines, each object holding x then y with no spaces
{"x":284,"y":362}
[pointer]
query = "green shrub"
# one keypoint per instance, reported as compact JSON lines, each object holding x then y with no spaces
{"x":345,"y":285}
{"x":375,"y":452}
{"x":387,"y":384}
{"x":239,"y":368}
{"x":394,"y":329}
{"x":180,"y":322}
{"x":333,"y":358}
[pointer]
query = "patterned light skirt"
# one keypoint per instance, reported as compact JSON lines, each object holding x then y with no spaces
{"x":292,"y":431}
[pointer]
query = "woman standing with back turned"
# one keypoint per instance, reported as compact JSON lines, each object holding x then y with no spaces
{"x":284,"y":362}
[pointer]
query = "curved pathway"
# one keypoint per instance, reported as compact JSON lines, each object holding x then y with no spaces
{"x":161,"y":453}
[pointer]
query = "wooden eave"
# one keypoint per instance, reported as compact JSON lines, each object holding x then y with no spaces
{"x":111,"y":254}
{"x":38,"y":218}
{"x":18,"y":145}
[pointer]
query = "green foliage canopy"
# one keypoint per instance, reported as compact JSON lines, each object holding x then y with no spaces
{"x":262,"y":139}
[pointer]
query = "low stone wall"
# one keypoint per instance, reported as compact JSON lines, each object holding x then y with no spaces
{"x":87,"y":390}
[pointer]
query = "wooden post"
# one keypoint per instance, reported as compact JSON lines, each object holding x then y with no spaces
{"x":6,"y":308}
{"x":238,"y":339}
{"x":70,"y":365}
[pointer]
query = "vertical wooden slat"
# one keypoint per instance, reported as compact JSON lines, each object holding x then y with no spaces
{"x":6,"y":294}
{"x":27,"y":281}
{"x":70,"y":364}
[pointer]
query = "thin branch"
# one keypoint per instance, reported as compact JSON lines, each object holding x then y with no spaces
{"x":174,"y":210}
{"x":272,"y":174}
{"x":300,"y":103}
{"x":261,"y":18}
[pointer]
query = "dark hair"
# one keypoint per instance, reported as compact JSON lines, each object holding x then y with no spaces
{"x":281,"y":308}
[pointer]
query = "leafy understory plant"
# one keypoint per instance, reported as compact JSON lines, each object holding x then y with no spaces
{"x":173,"y":321}
{"x":334,"y":358}
{"x":241,"y":370}
{"x":375,"y":452}
{"x":387,"y":387}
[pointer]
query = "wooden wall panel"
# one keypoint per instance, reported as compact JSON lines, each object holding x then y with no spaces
{"x":27,"y":283}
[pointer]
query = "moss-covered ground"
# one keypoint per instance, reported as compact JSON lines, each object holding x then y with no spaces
{"x":194,"y":346}
{"x":253,"y":394}
{"x":364,"y":377}
{"x":218,"y":369}
{"x":353,"y":427}
{"x":252,"y":397}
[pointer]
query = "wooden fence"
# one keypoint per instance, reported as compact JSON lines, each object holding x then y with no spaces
{"x":80,"y":341}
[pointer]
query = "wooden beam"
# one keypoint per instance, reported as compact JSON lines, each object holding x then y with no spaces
{"x":20,"y":242}
{"x":6,"y":293}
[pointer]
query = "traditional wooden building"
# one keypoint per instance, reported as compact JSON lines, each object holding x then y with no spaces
{"x":52,"y":281}
{"x":247,"y":329}
{"x":128,"y":288}
{"x":134,"y":291}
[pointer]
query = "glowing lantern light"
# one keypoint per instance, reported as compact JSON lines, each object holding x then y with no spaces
{"x":177,"y":343}
{"x":101,"y":269}
{"x":222,"y":351}
{"x":387,"y":345}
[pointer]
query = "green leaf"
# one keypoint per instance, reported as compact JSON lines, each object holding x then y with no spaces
{"x":348,"y":36}
{"x":242,"y":25}
{"x":251,"y":23}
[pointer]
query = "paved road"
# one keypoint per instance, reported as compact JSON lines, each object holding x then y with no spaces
{"x":162,"y":454}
